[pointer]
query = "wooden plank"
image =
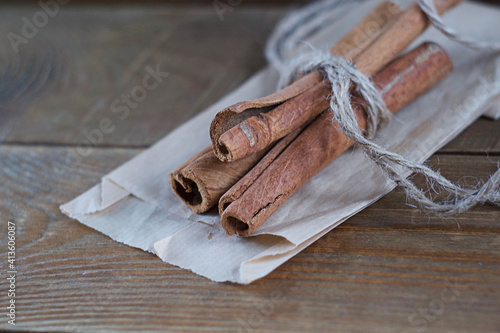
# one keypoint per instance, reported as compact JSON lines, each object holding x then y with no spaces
{"x":388,"y":269}
{"x":483,"y":136}
{"x":66,"y":79}
{"x":86,"y":62}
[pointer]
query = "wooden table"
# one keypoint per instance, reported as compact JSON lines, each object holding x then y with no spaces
{"x":388,"y":269}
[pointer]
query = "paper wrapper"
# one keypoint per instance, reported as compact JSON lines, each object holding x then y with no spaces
{"x":135,"y":205}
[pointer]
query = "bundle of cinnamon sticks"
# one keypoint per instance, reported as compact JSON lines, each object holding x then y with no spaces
{"x":264,"y":150}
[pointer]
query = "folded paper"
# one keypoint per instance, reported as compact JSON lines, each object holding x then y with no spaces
{"x":135,"y":205}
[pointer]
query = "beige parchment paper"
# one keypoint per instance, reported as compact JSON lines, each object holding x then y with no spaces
{"x":134,"y":204}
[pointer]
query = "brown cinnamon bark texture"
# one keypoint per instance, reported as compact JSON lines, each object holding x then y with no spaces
{"x":248,"y":127}
{"x":237,"y":132}
{"x":408,"y":26}
{"x":203,"y":179}
{"x":247,"y":205}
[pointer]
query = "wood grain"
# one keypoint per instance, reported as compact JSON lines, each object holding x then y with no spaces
{"x":373,"y":273}
{"x":86,"y":58}
{"x":481,"y":137}
{"x":57,"y":108}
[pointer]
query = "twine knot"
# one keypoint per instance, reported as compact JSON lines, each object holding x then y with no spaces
{"x":344,"y":78}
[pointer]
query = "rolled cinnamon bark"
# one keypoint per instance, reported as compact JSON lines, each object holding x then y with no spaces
{"x":203,"y":179}
{"x":408,"y":26}
{"x":235,"y":136}
{"x":248,"y":204}
{"x":247,"y":127}
{"x":244,"y":183}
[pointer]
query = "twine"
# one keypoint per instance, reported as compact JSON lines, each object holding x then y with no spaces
{"x":343,"y":77}
{"x":427,"y":6}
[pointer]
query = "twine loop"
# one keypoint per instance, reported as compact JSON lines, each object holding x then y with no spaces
{"x":344,"y":78}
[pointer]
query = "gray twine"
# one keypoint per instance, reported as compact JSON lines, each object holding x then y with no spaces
{"x":344,"y":77}
{"x":429,"y":9}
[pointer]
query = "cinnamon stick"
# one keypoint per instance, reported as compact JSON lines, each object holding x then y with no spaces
{"x":250,"y":126}
{"x":408,"y":26}
{"x":247,"y":205}
{"x":235,"y":135}
{"x":203,"y":179}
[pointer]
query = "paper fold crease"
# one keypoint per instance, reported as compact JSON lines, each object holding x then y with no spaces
{"x":135,"y":205}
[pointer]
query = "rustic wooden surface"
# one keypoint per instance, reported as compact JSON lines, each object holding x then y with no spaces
{"x":388,"y":269}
